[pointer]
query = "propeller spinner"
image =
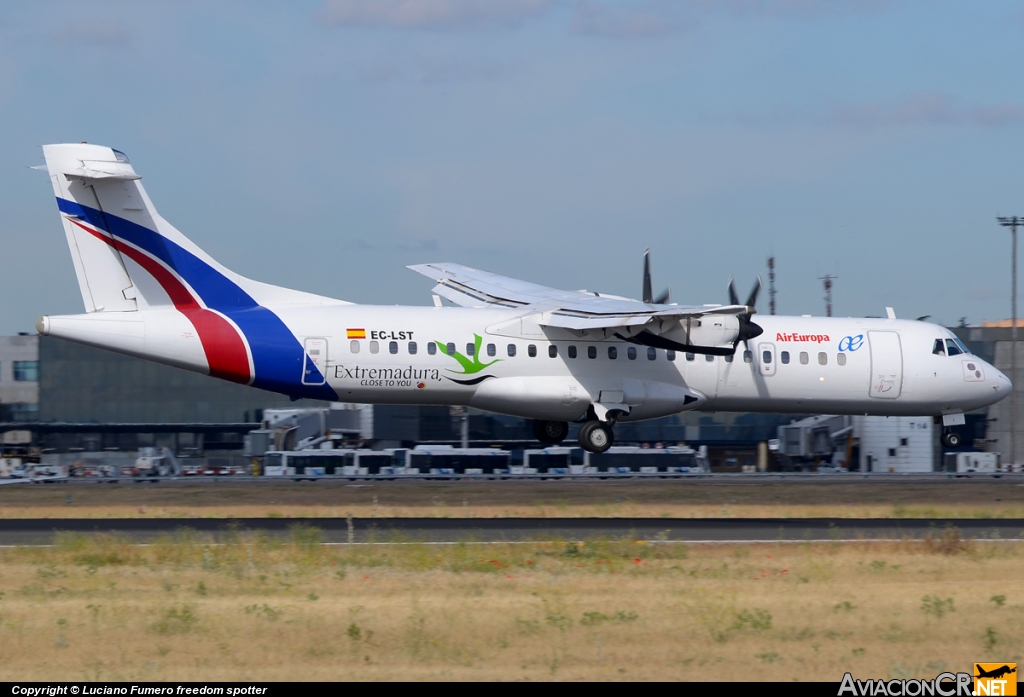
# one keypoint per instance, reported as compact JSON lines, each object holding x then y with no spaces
{"x":748,"y":329}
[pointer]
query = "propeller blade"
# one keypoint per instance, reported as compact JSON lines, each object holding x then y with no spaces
{"x":747,"y":330}
{"x":648,"y":295}
{"x":663,"y":299}
{"x":752,"y":298}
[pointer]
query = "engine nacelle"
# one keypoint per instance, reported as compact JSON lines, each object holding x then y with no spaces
{"x":708,"y":330}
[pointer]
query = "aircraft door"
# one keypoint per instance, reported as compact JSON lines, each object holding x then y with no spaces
{"x":314,"y":364}
{"x":886,"y":365}
{"x":766,"y":359}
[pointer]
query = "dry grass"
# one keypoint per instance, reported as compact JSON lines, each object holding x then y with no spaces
{"x":697,"y":498}
{"x":259,"y":609}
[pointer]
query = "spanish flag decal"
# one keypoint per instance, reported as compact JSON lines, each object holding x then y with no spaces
{"x":356,"y":333}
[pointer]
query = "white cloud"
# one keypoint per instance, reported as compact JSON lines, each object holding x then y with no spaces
{"x":637,"y":21}
{"x":653,"y":18}
{"x":432,"y":14}
{"x":440,"y":69}
{"x":95,"y":33}
{"x":928,"y":108}
{"x":797,"y":8}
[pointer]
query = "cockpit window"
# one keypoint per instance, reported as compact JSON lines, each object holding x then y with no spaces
{"x":939,"y":348}
{"x":120,"y":156}
{"x":963,"y":348}
{"x":952,"y":349}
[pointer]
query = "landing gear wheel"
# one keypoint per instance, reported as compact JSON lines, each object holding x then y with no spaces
{"x":951,"y":439}
{"x":595,"y":437}
{"x":550,"y":432}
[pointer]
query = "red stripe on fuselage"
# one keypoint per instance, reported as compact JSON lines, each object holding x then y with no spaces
{"x":224,"y":348}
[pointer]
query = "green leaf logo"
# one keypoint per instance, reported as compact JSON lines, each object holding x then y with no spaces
{"x":469,"y":364}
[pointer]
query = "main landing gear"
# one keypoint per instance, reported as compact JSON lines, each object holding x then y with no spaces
{"x":550,"y":432}
{"x":596,"y":436}
{"x":951,"y":439}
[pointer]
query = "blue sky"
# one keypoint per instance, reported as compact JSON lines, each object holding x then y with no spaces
{"x":324,"y":145}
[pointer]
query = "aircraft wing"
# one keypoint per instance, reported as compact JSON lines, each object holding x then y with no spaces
{"x":579,"y":310}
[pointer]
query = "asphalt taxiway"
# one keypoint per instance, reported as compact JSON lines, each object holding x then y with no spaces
{"x":37,"y":531}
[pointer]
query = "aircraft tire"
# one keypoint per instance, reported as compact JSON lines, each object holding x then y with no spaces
{"x":951,"y":439}
{"x":595,"y":437}
{"x":550,"y":432}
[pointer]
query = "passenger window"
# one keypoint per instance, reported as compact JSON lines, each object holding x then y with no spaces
{"x":652,"y":353}
{"x":572,"y":352}
{"x":470,"y":349}
{"x":431,"y":348}
{"x":748,"y":357}
{"x":591,"y":352}
{"x":552,"y":351}
{"x":412,"y":348}
{"x":822,"y":358}
{"x":450,"y":348}
{"x":938,"y":348}
{"x":631,"y":353}
{"x":613,"y":353}
{"x":766,"y":357}
{"x":804,"y":358}
{"x":492,"y":350}
{"x":511,"y":349}
{"x":707,"y":357}
{"x":784,"y":357}
{"x":531,"y":350}
{"x":670,"y":354}
{"x":690,"y":357}
{"x":354,"y":346}
{"x":729,"y":357}
{"x":952,"y":349}
{"x":841,"y":359}
{"x":374,"y":347}
{"x":393,"y":347}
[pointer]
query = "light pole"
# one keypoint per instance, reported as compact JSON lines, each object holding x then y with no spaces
{"x":828,"y":278}
{"x":1012,"y":222}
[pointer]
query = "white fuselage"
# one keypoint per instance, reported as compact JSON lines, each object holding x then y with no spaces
{"x":798,"y":365}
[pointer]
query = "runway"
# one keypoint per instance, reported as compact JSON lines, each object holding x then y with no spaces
{"x":362,"y":530}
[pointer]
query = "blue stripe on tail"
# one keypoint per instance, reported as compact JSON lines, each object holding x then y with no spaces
{"x":277,"y":355}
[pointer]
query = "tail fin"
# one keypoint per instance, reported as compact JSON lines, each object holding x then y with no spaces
{"x":80,"y":174}
{"x":129,"y":259}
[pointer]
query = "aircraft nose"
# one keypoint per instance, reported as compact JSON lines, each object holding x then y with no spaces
{"x":1001,"y":383}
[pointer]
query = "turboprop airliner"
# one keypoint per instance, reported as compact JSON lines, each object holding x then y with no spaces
{"x":502,"y":345}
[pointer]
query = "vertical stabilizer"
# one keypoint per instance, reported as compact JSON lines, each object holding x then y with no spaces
{"x":141,"y":271}
{"x":75,"y":172}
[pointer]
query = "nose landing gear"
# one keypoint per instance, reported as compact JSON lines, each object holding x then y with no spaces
{"x":951,"y":439}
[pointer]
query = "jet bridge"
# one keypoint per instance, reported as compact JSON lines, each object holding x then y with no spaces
{"x":815,"y":441}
